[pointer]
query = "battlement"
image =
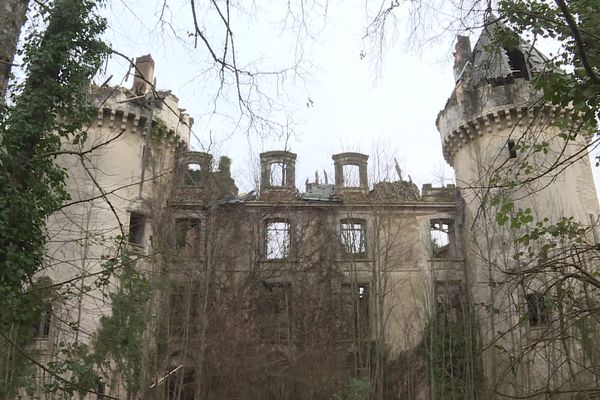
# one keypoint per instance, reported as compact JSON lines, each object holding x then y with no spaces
{"x":129,"y":109}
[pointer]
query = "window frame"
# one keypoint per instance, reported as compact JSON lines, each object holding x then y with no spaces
{"x":136,"y":228}
{"x":349,"y":244}
{"x":538,"y":310}
{"x":179,"y":247}
{"x":286,"y":253}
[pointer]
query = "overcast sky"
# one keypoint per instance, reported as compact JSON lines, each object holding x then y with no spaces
{"x":335,"y":101}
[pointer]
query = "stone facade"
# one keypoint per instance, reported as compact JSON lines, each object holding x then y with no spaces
{"x":285,"y":294}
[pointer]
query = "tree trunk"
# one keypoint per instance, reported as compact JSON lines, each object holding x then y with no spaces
{"x":12,"y":18}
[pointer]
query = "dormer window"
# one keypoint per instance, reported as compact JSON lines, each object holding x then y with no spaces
{"x":278,"y":174}
{"x":351,"y":177}
{"x":517,"y":63}
{"x":192,"y":174}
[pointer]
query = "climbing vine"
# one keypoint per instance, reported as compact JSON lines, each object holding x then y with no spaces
{"x":47,"y":108}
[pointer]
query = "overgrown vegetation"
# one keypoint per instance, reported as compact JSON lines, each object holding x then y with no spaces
{"x":47,"y":108}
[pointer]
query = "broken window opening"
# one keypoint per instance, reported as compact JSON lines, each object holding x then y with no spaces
{"x":277,"y":240}
{"x":187,"y":237}
{"x":355,"y":311}
{"x":193,"y":174}
{"x":448,"y":303}
{"x":538,"y":311}
{"x":278,"y":174}
{"x":136,"y":228}
{"x":351,"y":175}
{"x":517,"y":63}
{"x":275,"y":311}
{"x":181,"y":385}
{"x":512,"y":152}
{"x":353,"y":237}
{"x":442,"y":239}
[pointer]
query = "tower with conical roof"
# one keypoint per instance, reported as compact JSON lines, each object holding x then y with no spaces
{"x":521,"y":166}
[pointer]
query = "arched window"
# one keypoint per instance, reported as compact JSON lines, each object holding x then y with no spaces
{"x":517,"y":63}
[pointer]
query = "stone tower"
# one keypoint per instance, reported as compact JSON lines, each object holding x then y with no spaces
{"x":509,"y":148}
{"x":116,"y":180}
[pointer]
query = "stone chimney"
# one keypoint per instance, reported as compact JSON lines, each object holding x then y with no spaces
{"x":462,"y":55}
{"x":144,"y":73}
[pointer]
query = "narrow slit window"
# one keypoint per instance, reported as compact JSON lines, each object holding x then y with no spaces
{"x":355,"y":310}
{"x":278,"y":170}
{"x":277,"y":240}
{"x":193,"y":174}
{"x":136,"y":228}
{"x":353,"y":237}
{"x":512,"y":151}
{"x":351,"y":176}
{"x":42,"y":327}
{"x":187,"y":237}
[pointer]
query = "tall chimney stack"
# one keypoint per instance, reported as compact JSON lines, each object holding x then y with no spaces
{"x":144,"y":75}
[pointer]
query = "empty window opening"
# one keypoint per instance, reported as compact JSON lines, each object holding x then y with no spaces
{"x":181,"y":384}
{"x":512,"y":151}
{"x":353,"y":236}
{"x":355,"y":311}
{"x":442,"y":237}
{"x":448,"y":301}
{"x":277,"y":240}
{"x":42,"y":325}
{"x":351,"y":176}
{"x":275,"y":311}
{"x":538,"y":310}
{"x":518,"y":65}
{"x":193,"y":174}
{"x":278,"y":172}
{"x":100,"y":389}
{"x":187,"y":237}
{"x":136,"y":228}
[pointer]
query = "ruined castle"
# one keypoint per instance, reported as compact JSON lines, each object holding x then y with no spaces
{"x":288,"y":294}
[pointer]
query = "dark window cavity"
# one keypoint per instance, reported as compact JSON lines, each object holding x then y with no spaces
{"x":275,"y":311}
{"x":187,"y":237}
{"x":136,"y":228}
{"x":512,"y":151}
{"x":537,"y":309}
{"x":517,"y":62}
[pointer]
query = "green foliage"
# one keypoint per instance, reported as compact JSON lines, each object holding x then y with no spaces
{"x":23,"y":319}
{"x":573,"y":75}
{"x":119,"y":341}
{"x":447,"y":355}
{"x":49,"y":107}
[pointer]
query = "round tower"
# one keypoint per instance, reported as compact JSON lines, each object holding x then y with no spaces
{"x":116,"y":179}
{"x":519,"y":161}
{"x":497,"y":131}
